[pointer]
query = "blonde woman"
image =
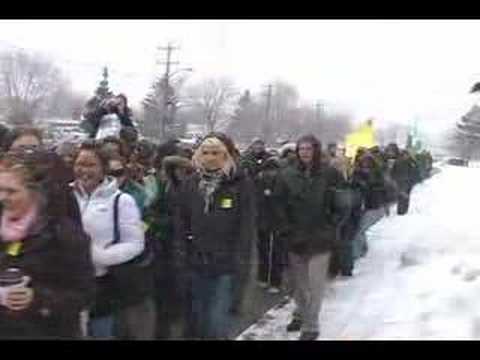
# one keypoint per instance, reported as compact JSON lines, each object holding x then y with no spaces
{"x":218,"y":217}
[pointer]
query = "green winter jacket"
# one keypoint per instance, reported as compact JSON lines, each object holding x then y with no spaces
{"x":305,"y":208}
{"x":137,"y":192}
{"x":150,"y":188}
{"x":157,"y":216}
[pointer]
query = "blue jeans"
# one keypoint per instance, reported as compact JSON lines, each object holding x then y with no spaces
{"x":102,"y":328}
{"x":212,"y":298}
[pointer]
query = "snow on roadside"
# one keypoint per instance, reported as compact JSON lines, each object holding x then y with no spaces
{"x":420,"y":279}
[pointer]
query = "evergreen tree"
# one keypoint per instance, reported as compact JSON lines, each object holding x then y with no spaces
{"x":103,"y":90}
{"x":469,"y":124}
{"x":156,"y":110}
{"x":468,"y":132}
{"x":244,"y":124}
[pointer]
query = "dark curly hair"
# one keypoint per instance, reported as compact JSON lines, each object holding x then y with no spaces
{"x":96,"y":148}
{"x":317,"y":149}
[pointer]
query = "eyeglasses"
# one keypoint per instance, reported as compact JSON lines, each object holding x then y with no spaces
{"x":117,"y":172}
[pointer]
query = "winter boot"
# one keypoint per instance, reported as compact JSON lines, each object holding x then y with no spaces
{"x":295,"y":325}
{"x":347,"y":272}
{"x":309,"y":335}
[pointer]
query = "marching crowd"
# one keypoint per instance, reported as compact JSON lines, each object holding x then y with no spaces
{"x":119,"y":238}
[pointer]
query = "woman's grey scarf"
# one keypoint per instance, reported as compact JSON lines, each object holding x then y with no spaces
{"x":209,"y":182}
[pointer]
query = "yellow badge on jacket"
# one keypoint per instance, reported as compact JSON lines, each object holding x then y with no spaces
{"x":226,"y":203}
{"x":14,"y":248}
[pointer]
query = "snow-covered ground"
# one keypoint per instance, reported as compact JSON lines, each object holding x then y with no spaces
{"x":420,"y":278}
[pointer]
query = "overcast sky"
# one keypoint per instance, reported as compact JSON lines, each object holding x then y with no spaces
{"x":392,"y":70}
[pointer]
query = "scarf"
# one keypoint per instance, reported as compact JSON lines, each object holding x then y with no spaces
{"x":17,"y":230}
{"x":209,"y":182}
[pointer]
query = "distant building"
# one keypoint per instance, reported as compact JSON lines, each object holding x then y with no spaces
{"x":60,"y":130}
{"x":195,"y":130}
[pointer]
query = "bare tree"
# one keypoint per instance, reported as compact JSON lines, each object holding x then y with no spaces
{"x":331,"y":127}
{"x":27,"y":82}
{"x":284,"y":113}
{"x":214,"y":97}
{"x":65,"y":102}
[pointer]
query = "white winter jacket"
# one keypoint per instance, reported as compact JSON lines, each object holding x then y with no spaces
{"x":97,"y":217}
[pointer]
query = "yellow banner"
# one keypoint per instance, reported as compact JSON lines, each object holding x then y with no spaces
{"x":363,"y":137}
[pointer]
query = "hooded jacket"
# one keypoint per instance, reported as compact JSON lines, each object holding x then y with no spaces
{"x":97,"y":217}
{"x":368,"y":177}
{"x":265,"y":184}
{"x":161,"y":217}
{"x":253,"y":162}
{"x":306,"y":215}
{"x":306,"y":209}
{"x":405,"y":172}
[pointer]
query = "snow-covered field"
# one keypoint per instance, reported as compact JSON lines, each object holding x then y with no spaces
{"x":420,"y":278}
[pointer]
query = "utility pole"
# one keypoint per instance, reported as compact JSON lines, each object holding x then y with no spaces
{"x":318,"y":108}
{"x":166,"y":93}
{"x":318,"y":111}
{"x":266,"y":122}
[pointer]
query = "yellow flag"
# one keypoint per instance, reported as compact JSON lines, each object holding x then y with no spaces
{"x":363,"y":137}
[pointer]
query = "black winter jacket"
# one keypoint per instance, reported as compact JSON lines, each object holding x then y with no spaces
{"x":264,"y":188}
{"x":62,"y":277}
{"x":372,"y":186}
{"x":221,"y":241}
{"x":405,"y":173}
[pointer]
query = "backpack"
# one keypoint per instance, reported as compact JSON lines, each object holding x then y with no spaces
{"x":133,"y":280}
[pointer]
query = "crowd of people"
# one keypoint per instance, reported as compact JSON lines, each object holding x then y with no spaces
{"x":118,"y":238}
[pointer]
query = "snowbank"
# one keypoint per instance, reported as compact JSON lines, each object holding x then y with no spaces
{"x":420,"y":279}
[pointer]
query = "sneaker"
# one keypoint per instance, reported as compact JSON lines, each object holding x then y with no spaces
{"x":309,"y":335}
{"x":295,"y":325}
{"x":273,"y":290}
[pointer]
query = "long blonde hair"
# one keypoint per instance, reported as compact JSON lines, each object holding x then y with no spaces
{"x":229,"y":166}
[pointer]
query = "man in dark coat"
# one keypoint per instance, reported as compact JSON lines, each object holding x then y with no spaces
{"x":307,"y":220}
{"x":171,"y":275}
{"x":368,"y":178}
{"x":96,"y":109}
{"x":255,"y":157}
{"x":405,"y":174}
{"x":271,"y":249}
